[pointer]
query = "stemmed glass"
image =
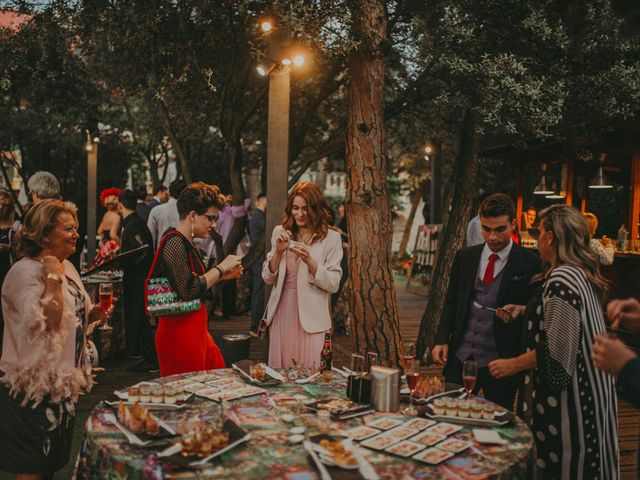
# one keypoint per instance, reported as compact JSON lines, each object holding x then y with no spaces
{"x":408,"y":353}
{"x":412,"y":372}
{"x":105,"y":292}
{"x":469,"y":375}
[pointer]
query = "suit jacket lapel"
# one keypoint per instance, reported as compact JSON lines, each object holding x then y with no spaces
{"x":470,"y":272}
{"x":507,"y":273}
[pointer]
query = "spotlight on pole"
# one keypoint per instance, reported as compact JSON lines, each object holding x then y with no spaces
{"x":265,"y":69}
{"x":286,"y":61}
{"x":88,"y":144}
{"x":266,"y":26}
{"x":298,"y":60}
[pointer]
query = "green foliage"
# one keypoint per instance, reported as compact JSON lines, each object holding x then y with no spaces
{"x":144,"y":70}
{"x":47,"y":100}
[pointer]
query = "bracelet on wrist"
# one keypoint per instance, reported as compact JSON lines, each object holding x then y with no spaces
{"x":55,"y":277}
{"x":219,"y":270}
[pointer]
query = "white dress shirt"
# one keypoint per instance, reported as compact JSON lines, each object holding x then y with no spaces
{"x":503,"y":256}
{"x":474,"y":232}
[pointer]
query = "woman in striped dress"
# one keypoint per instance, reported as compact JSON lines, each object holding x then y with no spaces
{"x":573,"y":403}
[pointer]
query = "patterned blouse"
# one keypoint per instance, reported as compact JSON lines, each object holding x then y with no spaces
{"x":605,"y":254}
{"x":574,"y":404}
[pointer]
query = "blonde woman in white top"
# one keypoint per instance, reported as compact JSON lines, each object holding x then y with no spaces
{"x":603,"y":248}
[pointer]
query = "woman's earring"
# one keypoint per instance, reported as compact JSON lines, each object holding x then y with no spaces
{"x":193,"y":232}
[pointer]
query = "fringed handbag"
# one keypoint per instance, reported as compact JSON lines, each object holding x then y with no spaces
{"x":160,"y":298}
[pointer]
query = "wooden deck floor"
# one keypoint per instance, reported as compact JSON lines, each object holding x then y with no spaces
{"x":411,"y":307}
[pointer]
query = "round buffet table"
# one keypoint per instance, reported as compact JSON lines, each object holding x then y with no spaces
{"x":269,"y":453}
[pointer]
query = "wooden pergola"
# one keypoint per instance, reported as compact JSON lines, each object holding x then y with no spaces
{"x":618,"y":147}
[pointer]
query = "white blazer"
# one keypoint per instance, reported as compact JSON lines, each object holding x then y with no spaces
{"x":313,"y":291}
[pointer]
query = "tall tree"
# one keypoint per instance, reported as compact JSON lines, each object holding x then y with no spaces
{"x":47,"y":99}
{"x":373,"y":303}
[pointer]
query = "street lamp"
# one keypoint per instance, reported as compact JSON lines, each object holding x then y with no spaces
{"x":278,"y":69}
{"x":91,"y":147}
{"x":428,"y":151}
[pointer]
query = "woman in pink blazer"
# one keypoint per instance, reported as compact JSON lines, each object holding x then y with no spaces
{"x":304,"y":268}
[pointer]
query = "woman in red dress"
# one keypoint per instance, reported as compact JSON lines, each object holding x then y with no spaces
{"x":183,"y":341}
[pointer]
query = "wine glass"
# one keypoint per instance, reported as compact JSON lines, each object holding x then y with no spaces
{"x":408,"y":353}
{"x":412,"y":372}
{"x":106,"y":296}
{"x":105,"y":292}
{"x":469,"y":375}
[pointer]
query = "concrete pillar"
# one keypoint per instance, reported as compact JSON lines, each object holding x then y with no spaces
{"x":277,"y":148}
{"x":92,"y":198}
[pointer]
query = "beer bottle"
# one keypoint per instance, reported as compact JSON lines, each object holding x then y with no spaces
{"x":326,"y":355}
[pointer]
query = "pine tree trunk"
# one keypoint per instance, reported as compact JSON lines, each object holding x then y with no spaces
{"x":453,"y":238}
{"x":239,"y":193}
{"x":373,"y":303}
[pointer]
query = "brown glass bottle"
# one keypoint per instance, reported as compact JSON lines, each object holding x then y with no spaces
{"x":326,"y":355}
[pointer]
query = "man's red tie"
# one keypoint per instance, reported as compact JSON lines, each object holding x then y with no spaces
{"x":488,"y":273}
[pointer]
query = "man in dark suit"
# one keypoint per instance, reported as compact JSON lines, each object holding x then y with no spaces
{"x":483,"y":278}
{"x":138,"y":331}
{"x":257,"y":224}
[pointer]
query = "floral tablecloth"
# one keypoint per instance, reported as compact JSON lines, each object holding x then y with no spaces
{"x":105,"y":453}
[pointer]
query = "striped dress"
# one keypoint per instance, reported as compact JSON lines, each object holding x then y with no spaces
{"x":574,"y":404}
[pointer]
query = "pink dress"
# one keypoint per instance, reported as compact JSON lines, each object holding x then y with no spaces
{"x":287,"y":339}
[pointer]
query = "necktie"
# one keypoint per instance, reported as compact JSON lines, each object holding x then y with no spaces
{"x":488,"y":273}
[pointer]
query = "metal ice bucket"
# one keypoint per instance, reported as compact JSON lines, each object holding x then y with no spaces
{"x":385,"y":389}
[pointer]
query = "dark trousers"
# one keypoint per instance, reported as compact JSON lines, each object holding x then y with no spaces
{"x":138,"y":331}
{"x":257,"y":295}
{"x":229,"y":298}
{"x":501,"y":391}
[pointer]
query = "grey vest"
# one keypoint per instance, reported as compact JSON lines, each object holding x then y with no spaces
{"x":479,"y":339}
